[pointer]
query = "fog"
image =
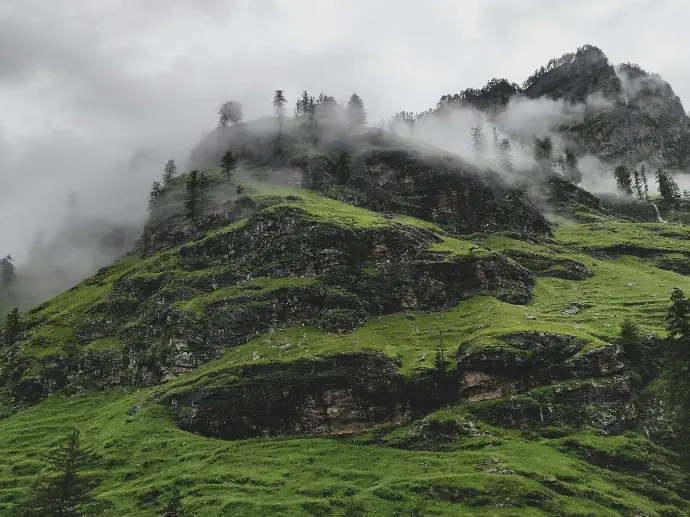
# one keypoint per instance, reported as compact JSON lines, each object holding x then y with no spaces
{"x":96,"y":96}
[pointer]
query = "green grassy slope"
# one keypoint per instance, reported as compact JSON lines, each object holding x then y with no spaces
{"x":478,"y":470}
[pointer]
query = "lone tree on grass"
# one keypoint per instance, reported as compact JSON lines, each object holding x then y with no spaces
{"x":228,"y":165}
{"x":66,"y":491}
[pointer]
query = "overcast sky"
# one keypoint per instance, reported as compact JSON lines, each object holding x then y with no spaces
{"x":86,"y":83}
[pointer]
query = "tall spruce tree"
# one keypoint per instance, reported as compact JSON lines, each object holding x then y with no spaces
{"x":677,"y":379}
{"x":168,"y":172}
{"x":572,"y":168}
{"x":154,"y":193}
{"x":12,"y":328}
{"x":8,"y":278}
{"x":637,"y":183}
{"x":623,"y":181}
{"x":543,"y":148}
{"x":477,"y":141}
{"x":643,"y":176}
{"x":66,"y":491}
{"x":228,"y":165}
{"x":356,"y":114}
{"x":506,"y":157}
{"x":668,"y":188}
{"x":191,"y":188}
{"x":279,"y":102}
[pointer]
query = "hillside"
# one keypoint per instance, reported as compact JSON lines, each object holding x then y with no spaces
{"x":631,"y":115}
{"x":360,"y":324}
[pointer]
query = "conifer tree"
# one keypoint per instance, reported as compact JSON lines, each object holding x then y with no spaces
{"x":191,"y":188}
{"x":506,"y":158}
{"x":228,"y":164}
{"x":12,"y":327}
{"x":154,"y":193}
{"x":637,"y":183}
{"x":279,"y":102}
{"x":356,"y":114}
{"x":8,"y":273}
{"x":477,"y":141}
{"x":542,"y":154}
{"x":643,"y":175}
{"x":302,"y":104}
{"x":8,"y":277}
{"x":66,"y":492}
{"x":623,"y":180}
{"x":668,"y":188}
{"x":678,"y":382}
{"x":168,"y":172}
{"x":572,"y":168}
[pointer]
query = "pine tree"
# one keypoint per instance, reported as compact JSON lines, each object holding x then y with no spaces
{"x":67,"y":491}
{"x":228,"y":165}
{"x":154,"y":193}
{"x":302,"y":104}
{"x":668,"y":188}
{"x":8,"y":273}
{"x":542,"y":154}
{"x":174,"y":507}
{"x":637,"y":183}
{"x":643,"y":175}
{"x":477,"y":141}
{"x":497,"y":141}
{"x":506,"y":157}
{"x":623,"y":180}
{"x":356,"y":114}
{"x":572,"y":168}
{"x":168,"y":172}
{"x":8,"y":277}
{"x":327,"y":106}
{"x":191,"y":188}
{"x":12,"y":328}
{"x":440,"y":360}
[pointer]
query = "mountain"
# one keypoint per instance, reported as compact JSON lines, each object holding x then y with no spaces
{"x":631,"y":115}
{"x":357,"y":323}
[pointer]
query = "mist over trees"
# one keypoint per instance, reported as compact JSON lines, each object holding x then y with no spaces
{"x":356,"y":114}
{"x":230,"y":113}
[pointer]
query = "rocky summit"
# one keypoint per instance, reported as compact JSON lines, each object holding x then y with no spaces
{"x":323,"y":318}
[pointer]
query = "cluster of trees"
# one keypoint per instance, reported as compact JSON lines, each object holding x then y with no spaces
{"x":158,"y":187}
{"x":635,"y":184}
{"x":546,"y":164}
{"x":495,"y":94}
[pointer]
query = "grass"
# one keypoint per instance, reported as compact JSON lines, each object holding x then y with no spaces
{"x":144,"y":456}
